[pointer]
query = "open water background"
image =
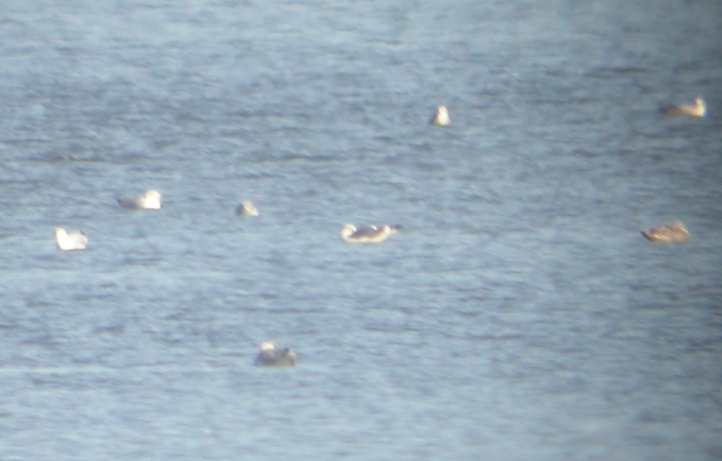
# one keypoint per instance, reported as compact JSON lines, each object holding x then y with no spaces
{"x":520,"y":315}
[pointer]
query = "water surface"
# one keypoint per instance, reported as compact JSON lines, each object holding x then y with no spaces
{"x":519,"y":315}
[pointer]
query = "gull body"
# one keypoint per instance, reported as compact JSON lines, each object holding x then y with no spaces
{"x":246,"y":208}
{"x":370,"y":234}
{"x":269,"y":356}
{"x":667,"y":233}
{"x":67,"y":241}
{"x":150,"y":200}
{"x":697,"y":109}
{"x":441,"y":117}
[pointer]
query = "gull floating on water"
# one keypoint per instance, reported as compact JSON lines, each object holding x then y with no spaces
{"x":370,"y":234}
{"x":441,"y":117}
{"x":697,"y":109}
{"x":667,"y":233}
{"x":246,"y":208}
{"x":269,"y":356}
{"x":67,"y":241}
{"x":150,"y":200}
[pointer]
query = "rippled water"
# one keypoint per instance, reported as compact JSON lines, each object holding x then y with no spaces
{"x":519,"y":315}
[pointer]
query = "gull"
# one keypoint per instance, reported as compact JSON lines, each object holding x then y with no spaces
{"x":370,"y":234}
{"x":697,"y":109}
{"x":667,"y":233}
{"x":67,"y":241}
{"x":269,"y":356}
{"x":150,"y":200}
{"x":246,"y":208}
{"x":441,"y":117}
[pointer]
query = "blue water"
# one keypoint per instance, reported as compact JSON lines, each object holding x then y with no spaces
{"x":519,"y":315}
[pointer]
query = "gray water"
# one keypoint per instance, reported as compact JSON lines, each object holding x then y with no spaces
{"x":519,"y":315}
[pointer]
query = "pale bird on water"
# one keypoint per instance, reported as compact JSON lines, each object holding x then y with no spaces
{"x":150,"y":200}
{"x":370,"y":234}
{"x":269,"y":356}
{"x":246,"y":209}
{"x":441,"y":117}
{"x":696,"y":109}
{"x":667,"y":233}
{"x":67,"y":241}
